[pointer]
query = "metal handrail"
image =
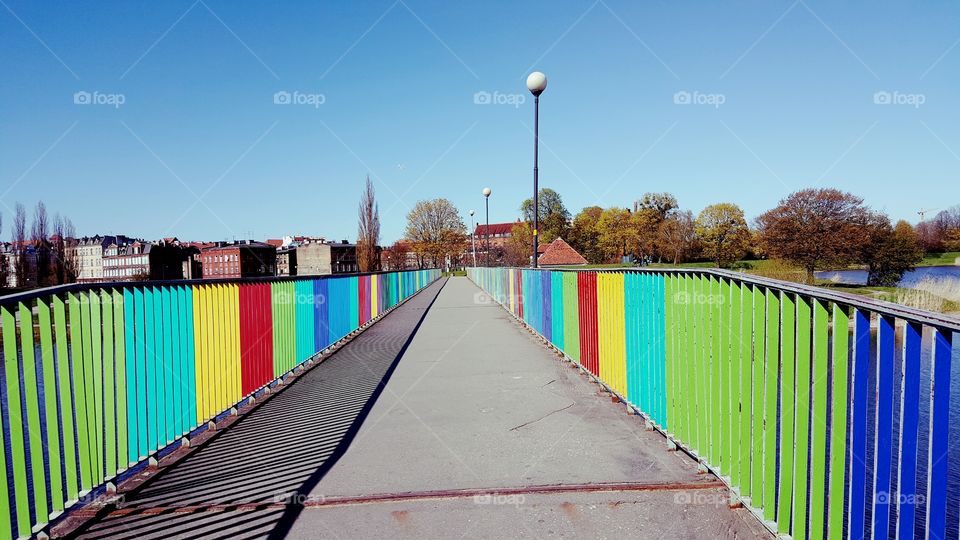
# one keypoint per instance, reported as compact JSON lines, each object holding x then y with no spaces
{"x":32,"y":294}
{"x":939,"y":320}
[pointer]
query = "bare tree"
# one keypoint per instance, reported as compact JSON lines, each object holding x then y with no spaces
{"x":4,"y":268}
{"x":71,"y":263}
{"x":437,"y":232}
{"x":19,"y":240}
{"x":368,"y":235}
{"x":677,"y":237}
{"x":39,"y":238}
{"x":63,"y":251}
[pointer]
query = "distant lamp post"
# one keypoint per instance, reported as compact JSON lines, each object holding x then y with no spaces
{"x":536,"y":83}
{"x":486,"y":199}
{"x":473,"y":239}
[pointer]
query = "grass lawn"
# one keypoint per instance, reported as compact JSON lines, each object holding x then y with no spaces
{"x":940,"y":259}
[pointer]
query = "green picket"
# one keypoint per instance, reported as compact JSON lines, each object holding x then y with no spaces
{"x":716,"y":407}
{"x":723,"y":307}
{"x":771,"y":375}
{"x":96,"y":331}
{"x":838,"y":418}
{"x":802,"y":417}
{"x":109,"y":396}
{"x":18,"y":456}
{"x":736,"y":383}
{"x":756,"y":469}
{"x":697,"y":410}
{"x":787,"y":389}
{"x":66,"y":399}
{"x":50,"y":404}
{"x":684,"y":356}
{"x":32,"y":402}
{"x":819,"y":429}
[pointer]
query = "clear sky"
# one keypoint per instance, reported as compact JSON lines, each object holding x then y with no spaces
{"x":180,"y":134}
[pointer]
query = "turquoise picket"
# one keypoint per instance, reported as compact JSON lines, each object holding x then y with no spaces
{"x":556,"y":309}
{"x":131,"y":376}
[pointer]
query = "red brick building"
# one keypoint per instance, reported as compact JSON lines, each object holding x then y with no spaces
{"x":239,"y":260}
{"x":499,"y":234}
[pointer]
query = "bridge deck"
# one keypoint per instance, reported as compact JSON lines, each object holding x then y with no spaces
{"x":480,"y":432}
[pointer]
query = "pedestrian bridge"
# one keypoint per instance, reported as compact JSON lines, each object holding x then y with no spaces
{"x":515,"y":403}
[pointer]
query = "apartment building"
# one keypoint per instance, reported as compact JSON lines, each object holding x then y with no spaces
{"x":241,"y":259}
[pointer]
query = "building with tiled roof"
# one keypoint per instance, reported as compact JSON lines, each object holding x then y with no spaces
{"x":559,"y":253}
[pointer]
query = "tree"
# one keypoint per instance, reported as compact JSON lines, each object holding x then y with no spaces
{"x":19,"y":240}
{"x":652,"y":212}
{"x":936,"y":232}
{"x":368,"y":234}
{"x":395,"y":257}
{"x":584,"y":235}
{"x":951,"y":241}
{"x":71,"y":263}
{"x":662,"y":204}
{"x":4,"y":267}
{"x":437,"y":232}
{"x":946,"y":229}
{"x":554,"y":216}
{"x":517,"y":250}
{"x":889,"y":252}
{"x":63,"y":260}
{"x":815,"y":228}
{"x":617,"y":233}
{"x":41,"y":244}
{"x":723,"y":233}
{"x":677,"y":237}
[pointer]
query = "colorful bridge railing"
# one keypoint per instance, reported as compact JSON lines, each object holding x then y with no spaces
{"x":830,"y":415}
{"x":98,"y":378}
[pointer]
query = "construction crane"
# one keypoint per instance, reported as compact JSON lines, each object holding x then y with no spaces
{"x":923,"y":213}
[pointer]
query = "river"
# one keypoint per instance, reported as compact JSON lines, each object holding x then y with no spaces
{"x":950,"y":274}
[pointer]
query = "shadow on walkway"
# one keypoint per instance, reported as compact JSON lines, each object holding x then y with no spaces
{"x":253,"y":479}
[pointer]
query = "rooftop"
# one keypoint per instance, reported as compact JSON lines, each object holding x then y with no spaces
{"x":495,"y":228}
{"x":559,"y":253}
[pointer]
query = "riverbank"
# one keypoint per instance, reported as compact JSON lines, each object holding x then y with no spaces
{"x":916,"y":298}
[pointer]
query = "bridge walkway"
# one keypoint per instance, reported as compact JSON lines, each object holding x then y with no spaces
{"x":447,"y":418}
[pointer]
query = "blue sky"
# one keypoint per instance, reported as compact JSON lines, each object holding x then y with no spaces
{"x":783,"y":96}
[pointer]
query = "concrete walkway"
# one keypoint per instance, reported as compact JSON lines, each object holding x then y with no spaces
{"x":480,"y":432}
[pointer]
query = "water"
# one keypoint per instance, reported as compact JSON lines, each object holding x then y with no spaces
{"x":910,"y":279}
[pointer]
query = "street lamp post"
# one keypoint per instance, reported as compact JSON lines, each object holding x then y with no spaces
{"x":486,"y":198}
{"x":473,"y":239}
{"x":536,"y":83}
